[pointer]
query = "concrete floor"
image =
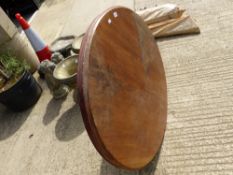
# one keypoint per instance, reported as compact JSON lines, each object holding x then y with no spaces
{"x":50,"y":138}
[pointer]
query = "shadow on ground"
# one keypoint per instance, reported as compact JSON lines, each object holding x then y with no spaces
{"x":150,"y":169}
{"x":70,"y":124}
{"x":10,"y":121}
{"x":52,"y":110}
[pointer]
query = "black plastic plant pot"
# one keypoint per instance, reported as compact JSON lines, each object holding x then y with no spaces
{"x":22,"y":95}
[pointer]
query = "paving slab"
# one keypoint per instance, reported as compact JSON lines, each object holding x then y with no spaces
{"x":199,"y":135}
{"x":50,"y":20}
{"x":70,"y":17}
{"x":83,"y":13}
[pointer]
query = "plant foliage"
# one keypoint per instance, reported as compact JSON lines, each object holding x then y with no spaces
{"x":12,"y":66}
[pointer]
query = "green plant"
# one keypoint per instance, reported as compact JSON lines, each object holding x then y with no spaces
{"x":11,"y":67}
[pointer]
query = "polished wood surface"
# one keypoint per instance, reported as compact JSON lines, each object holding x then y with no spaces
{"x":122,"y":89}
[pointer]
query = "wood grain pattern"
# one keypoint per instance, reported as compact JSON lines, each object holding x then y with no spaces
{"x":122,"y":88}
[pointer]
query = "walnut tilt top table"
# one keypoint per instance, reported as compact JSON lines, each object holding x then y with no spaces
{"x":122,"y":89}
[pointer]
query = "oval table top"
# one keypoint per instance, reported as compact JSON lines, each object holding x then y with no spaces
{"x":122,"y":89}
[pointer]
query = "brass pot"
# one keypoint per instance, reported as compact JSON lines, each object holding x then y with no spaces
{"x":66,"y":71}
